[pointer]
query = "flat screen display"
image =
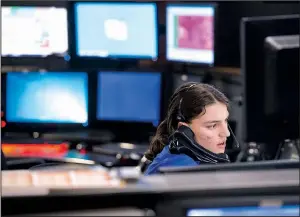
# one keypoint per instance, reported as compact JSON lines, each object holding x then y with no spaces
{"x":129,"y":97}
{"x":34,"y":31}
{"x":51,"y":97}
{"x":292,"y":210}
{"x":190,"y":33}
{"x":116,"y":30}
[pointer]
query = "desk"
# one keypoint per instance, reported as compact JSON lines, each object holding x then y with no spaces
{"x":149,"y":191}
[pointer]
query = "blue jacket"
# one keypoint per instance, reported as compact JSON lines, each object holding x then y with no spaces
{"x":165,"y":159}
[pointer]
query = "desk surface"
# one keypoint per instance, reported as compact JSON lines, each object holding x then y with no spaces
{"x":176,"y":183}
{"x":200,"y":182}
{"x":148,"y":191}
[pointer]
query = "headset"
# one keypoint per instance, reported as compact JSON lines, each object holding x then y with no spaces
{"x":180,"y":117}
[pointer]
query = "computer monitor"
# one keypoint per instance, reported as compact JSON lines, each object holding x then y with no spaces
{"x":180,"y":79}
{"x":129,"y":97}
{"x":190,"y":33}
{"x":116,"y":30}
{"x":254,"y":31}
{"x":34,"y":31}
{"x":232,"y":194}
{"x":282,"y":81}
{"x":47,"y":97}
{"x":285,"y":210}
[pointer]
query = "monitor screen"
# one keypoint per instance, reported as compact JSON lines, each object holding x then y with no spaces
{"x":129,"y":97}
{"x":292,"y":210}
{"x":34,"y":31}
{"x":116,"y":30}
{"x":51,"y":97}
{"x":190,"y":33}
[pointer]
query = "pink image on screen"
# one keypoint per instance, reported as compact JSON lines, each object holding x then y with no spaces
{"x":195,"y":32}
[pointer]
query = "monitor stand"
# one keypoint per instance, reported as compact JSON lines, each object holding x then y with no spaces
{"x":83,"y":135}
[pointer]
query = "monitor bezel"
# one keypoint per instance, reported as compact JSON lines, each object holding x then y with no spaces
{"x":110,"y":60}
{"x":49,"y":61}
{"x":43,"y":127}
{"x":193,"y":63}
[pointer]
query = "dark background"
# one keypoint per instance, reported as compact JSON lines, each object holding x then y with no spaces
{"x":225,"y":74}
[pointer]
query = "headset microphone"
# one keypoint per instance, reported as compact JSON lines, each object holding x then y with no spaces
{"x":237,"y":144}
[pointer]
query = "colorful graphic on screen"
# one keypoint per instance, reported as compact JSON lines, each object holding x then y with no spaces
{"x":129,"y":96}
{"x":116,"y":30}
{"x":51,"y":97}
{"x":45,"y":150}
{"x":194,"y":32}
{"x":190,"y":34}
{"x":34,"y":31}
{"x":35,"y":150}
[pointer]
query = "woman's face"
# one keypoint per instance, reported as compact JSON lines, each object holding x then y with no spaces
{"x":211,"y":129}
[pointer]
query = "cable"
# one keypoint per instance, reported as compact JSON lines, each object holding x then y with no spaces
{"x":297,"y":146}
{"x":278,"y":151}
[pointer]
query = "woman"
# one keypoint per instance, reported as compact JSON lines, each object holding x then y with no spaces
{"x":194,"y":131}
